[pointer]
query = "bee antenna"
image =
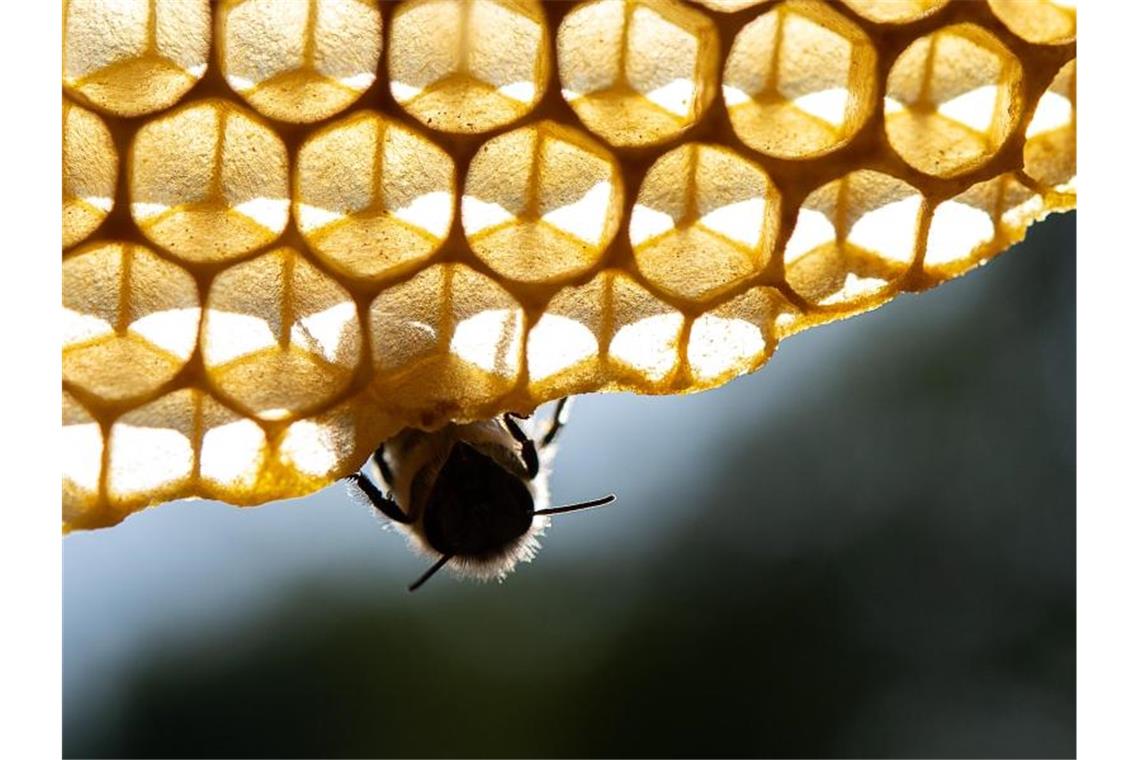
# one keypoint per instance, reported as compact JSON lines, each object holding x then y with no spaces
{"x":575,"y":507}
{"x":430,"y":572}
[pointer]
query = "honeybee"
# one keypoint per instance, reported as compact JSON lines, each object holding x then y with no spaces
{"x":472,"y":495}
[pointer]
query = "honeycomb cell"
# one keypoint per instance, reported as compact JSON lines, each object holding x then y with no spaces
{"x":447,"y":336}
{"x":541,"y":203}
{"x":82,"y":460}
{"x":317,"y":446}
{"x":132,"y":57}
{"x":799,"y":81}
{"x":854,"y":238}
{"x":486,"y":324}
{"x":1020,"y":206}
{"x":130,"y":320}
{"x":1051,"y":138}
{"x":279,"y":337}
{"x":468,"y":65}
{"x":1046,"y":22}
{"x":209,"y":182}
{"x":644,"y":348}
{"x":232,"y":450}
{"x":735,"y":337}
{"x":151,"y":449}
{"x":407,"y":321}
{"x":373,"y":198}
{"x":299,"y":60}
{"x":895,"y":11}
{"x":563,"y":346}
{"x":964,"y":229}
{"x":705,"y":219}
{"x":90,"y":169}
{"x":637,"y":72}
{"x":953,"y":98}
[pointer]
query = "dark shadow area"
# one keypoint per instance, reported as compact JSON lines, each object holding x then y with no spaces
{"x":889,"y":571}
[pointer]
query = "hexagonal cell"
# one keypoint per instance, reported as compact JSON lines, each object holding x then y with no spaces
{"x":82,"y":459}
{"x":542,"y":203}
{"x":799,"y":81}
{"x":637,"y":72}
{"x":953,"y":98}
{"x":961,"y":226}
{"x":446,"y":338}
{"x":373,"y":198}
{"x":705,"y":219}
{"x":1046,"y":22}
{"x":468,"y":65}
{"x":895,"y":11}
{"x":279,"y":337}
{"x":152,"y":449}
{"x":563,"y":346}
{"x":90,"y":169}
{"x":209,"y":182}
{"x":854,"y":238}
{"x":970,"y":227}
{"x":1020,"y":207}
{"x":299,"y":60}
{"x":735,"y":337}
{"x":407,"y":319}
{"x":232,"y":451}
{"x":316,"y":446}
{"x":130,"y":320}
{"x":131,"y":57}
{"x":1051,"y":138}
{"x":645,"y":342}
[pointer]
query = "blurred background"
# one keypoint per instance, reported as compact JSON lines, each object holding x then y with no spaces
{"x":865,"y":549}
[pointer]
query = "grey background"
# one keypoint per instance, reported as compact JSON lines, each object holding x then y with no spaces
{"x":865,"y":549}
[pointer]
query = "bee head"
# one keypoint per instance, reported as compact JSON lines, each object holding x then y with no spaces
{"x":476,"y":507}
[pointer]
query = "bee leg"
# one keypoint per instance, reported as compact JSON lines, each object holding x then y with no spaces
{"x":529,"y":453}
{"x":556,"y":422}
{"x":382,"y":464}
{"x":387,"y":507}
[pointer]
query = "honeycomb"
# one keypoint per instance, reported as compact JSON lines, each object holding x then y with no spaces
{"x":293,"y":227}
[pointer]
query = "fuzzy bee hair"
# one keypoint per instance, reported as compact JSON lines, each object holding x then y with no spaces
{"x":416,"y":459}
{"x":472,"y":496}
